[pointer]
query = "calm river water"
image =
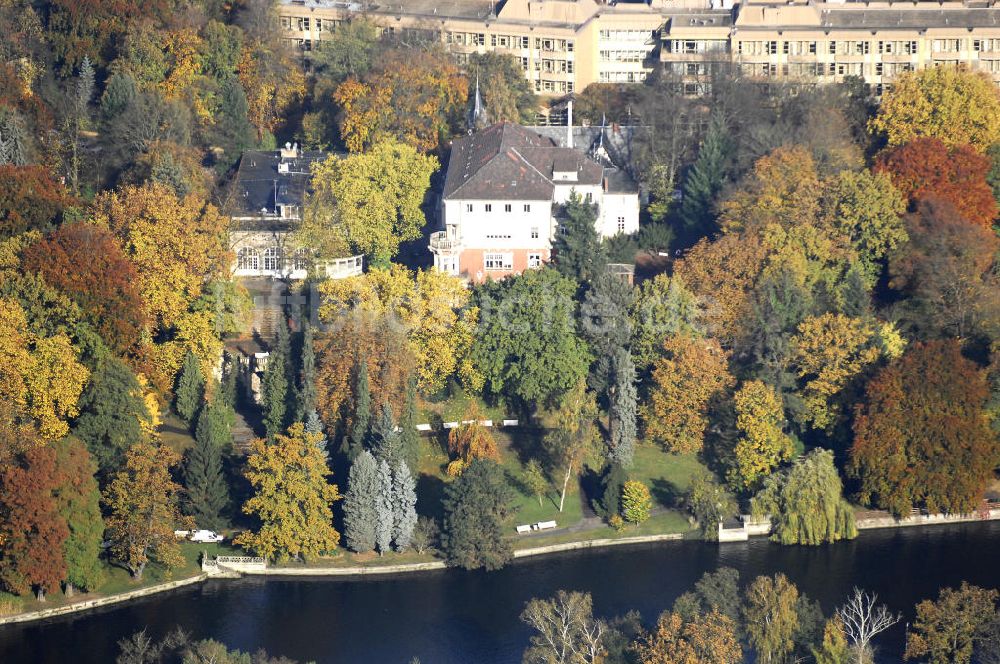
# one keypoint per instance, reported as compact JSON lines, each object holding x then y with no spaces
{"x":456,"y":617}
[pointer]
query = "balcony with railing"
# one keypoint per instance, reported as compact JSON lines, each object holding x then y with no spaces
{"x":440,"y":243}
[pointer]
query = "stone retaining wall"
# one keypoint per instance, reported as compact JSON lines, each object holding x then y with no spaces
{"x":100,"y":601}
{"x":925,"y":520}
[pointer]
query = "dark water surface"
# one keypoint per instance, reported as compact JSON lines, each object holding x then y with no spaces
{"x":456,"y":617}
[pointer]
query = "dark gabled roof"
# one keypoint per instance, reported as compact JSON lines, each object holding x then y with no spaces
{"x":259,"y":185}
{"x":563,"y":160}
{"x":509,"y":162}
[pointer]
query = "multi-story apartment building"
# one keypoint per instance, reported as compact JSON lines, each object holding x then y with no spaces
{"x":504,"y":193}
{"x":828,"y":41}
{"x":563,"y":45}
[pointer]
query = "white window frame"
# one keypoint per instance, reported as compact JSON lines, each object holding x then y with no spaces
{"x":498,"y":261}
{"x":247,"y":258}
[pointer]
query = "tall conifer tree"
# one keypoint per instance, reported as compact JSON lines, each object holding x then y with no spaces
{"x":404,"y":506}
{"x":360,"y":503}
{"x":362,"y":411}
{"x":190,"y":389}
{"x":207,"y":491}
{"x":383,"y":508}
{"x":706,"y":178}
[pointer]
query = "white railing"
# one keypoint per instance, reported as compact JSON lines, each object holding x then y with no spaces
{"x":341,"y":268}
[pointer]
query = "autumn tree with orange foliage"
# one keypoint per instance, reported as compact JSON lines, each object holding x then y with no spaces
{"x":723,"y":274}
{"x":926,"y":167}
{"x":472,"y":440}
{"x":382,"y":344}
{"x":921,"y":437}
{"x":692,"y":373}
{"x":85,"y":262}
{"x":709,"y":638}
{"x":32,"y":532}
{"x":30,"y":199}
{"x":414,"y":95}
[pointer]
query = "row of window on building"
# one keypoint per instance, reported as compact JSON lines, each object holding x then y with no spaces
{"x":506,"y":261}
{"x":488,"y":207}
{"x":510,"y":41}
{"x":861,"y":47}
{"x":271,"y":259}
{"x":645,"y":36}
{"x":622,"y":76}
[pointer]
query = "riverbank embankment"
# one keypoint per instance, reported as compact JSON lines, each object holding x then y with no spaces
{"x":236,"y":567}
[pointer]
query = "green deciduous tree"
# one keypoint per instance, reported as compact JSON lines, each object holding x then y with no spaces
{"x":710,"y":503}
{"x":477,"y":507}
{"x":833,"y":649}
{"x":663,"y":307}
{"x":78,"y":501}
{"x":367,"y":203}
{"x":805,"y":502}
{"x":292,"y":497}
{"x":572,"y":434}
{"x":868,"y":209}
{"x":579,"y":254}
{"x":507,"y":93}
{"x":527,"y":347}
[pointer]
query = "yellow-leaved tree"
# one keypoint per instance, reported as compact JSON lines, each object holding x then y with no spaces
{"x":691,"y":373}
{"x":368,"y":202}
{"x":292,"y":497}
{"x":953,"y":104}
{"x":762,"y":444}
{"x":177,"y":245}
{"x":142,"y":499}
{"x":41,"y":377}
{"x":431,"y":305}
{"x":828,"y":351}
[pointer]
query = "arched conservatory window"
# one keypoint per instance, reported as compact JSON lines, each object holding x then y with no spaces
{"x":247,"y":259}
{"x":272,"y":258}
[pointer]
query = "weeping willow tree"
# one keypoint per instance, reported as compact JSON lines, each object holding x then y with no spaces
{"x":805,"y":502}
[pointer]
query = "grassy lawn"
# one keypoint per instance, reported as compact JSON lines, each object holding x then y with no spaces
{"x":118,"y":580}
{"x":174,"y":433}
{"x":668,"y":522}
{"x":668,"y":476}
{"x":432,"y":480}
{"x":454,"y":408}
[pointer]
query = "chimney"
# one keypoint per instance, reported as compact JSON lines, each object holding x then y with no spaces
{"x":569,"y":123}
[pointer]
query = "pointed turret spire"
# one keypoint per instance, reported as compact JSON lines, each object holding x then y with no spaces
{"x":477,"y":112}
